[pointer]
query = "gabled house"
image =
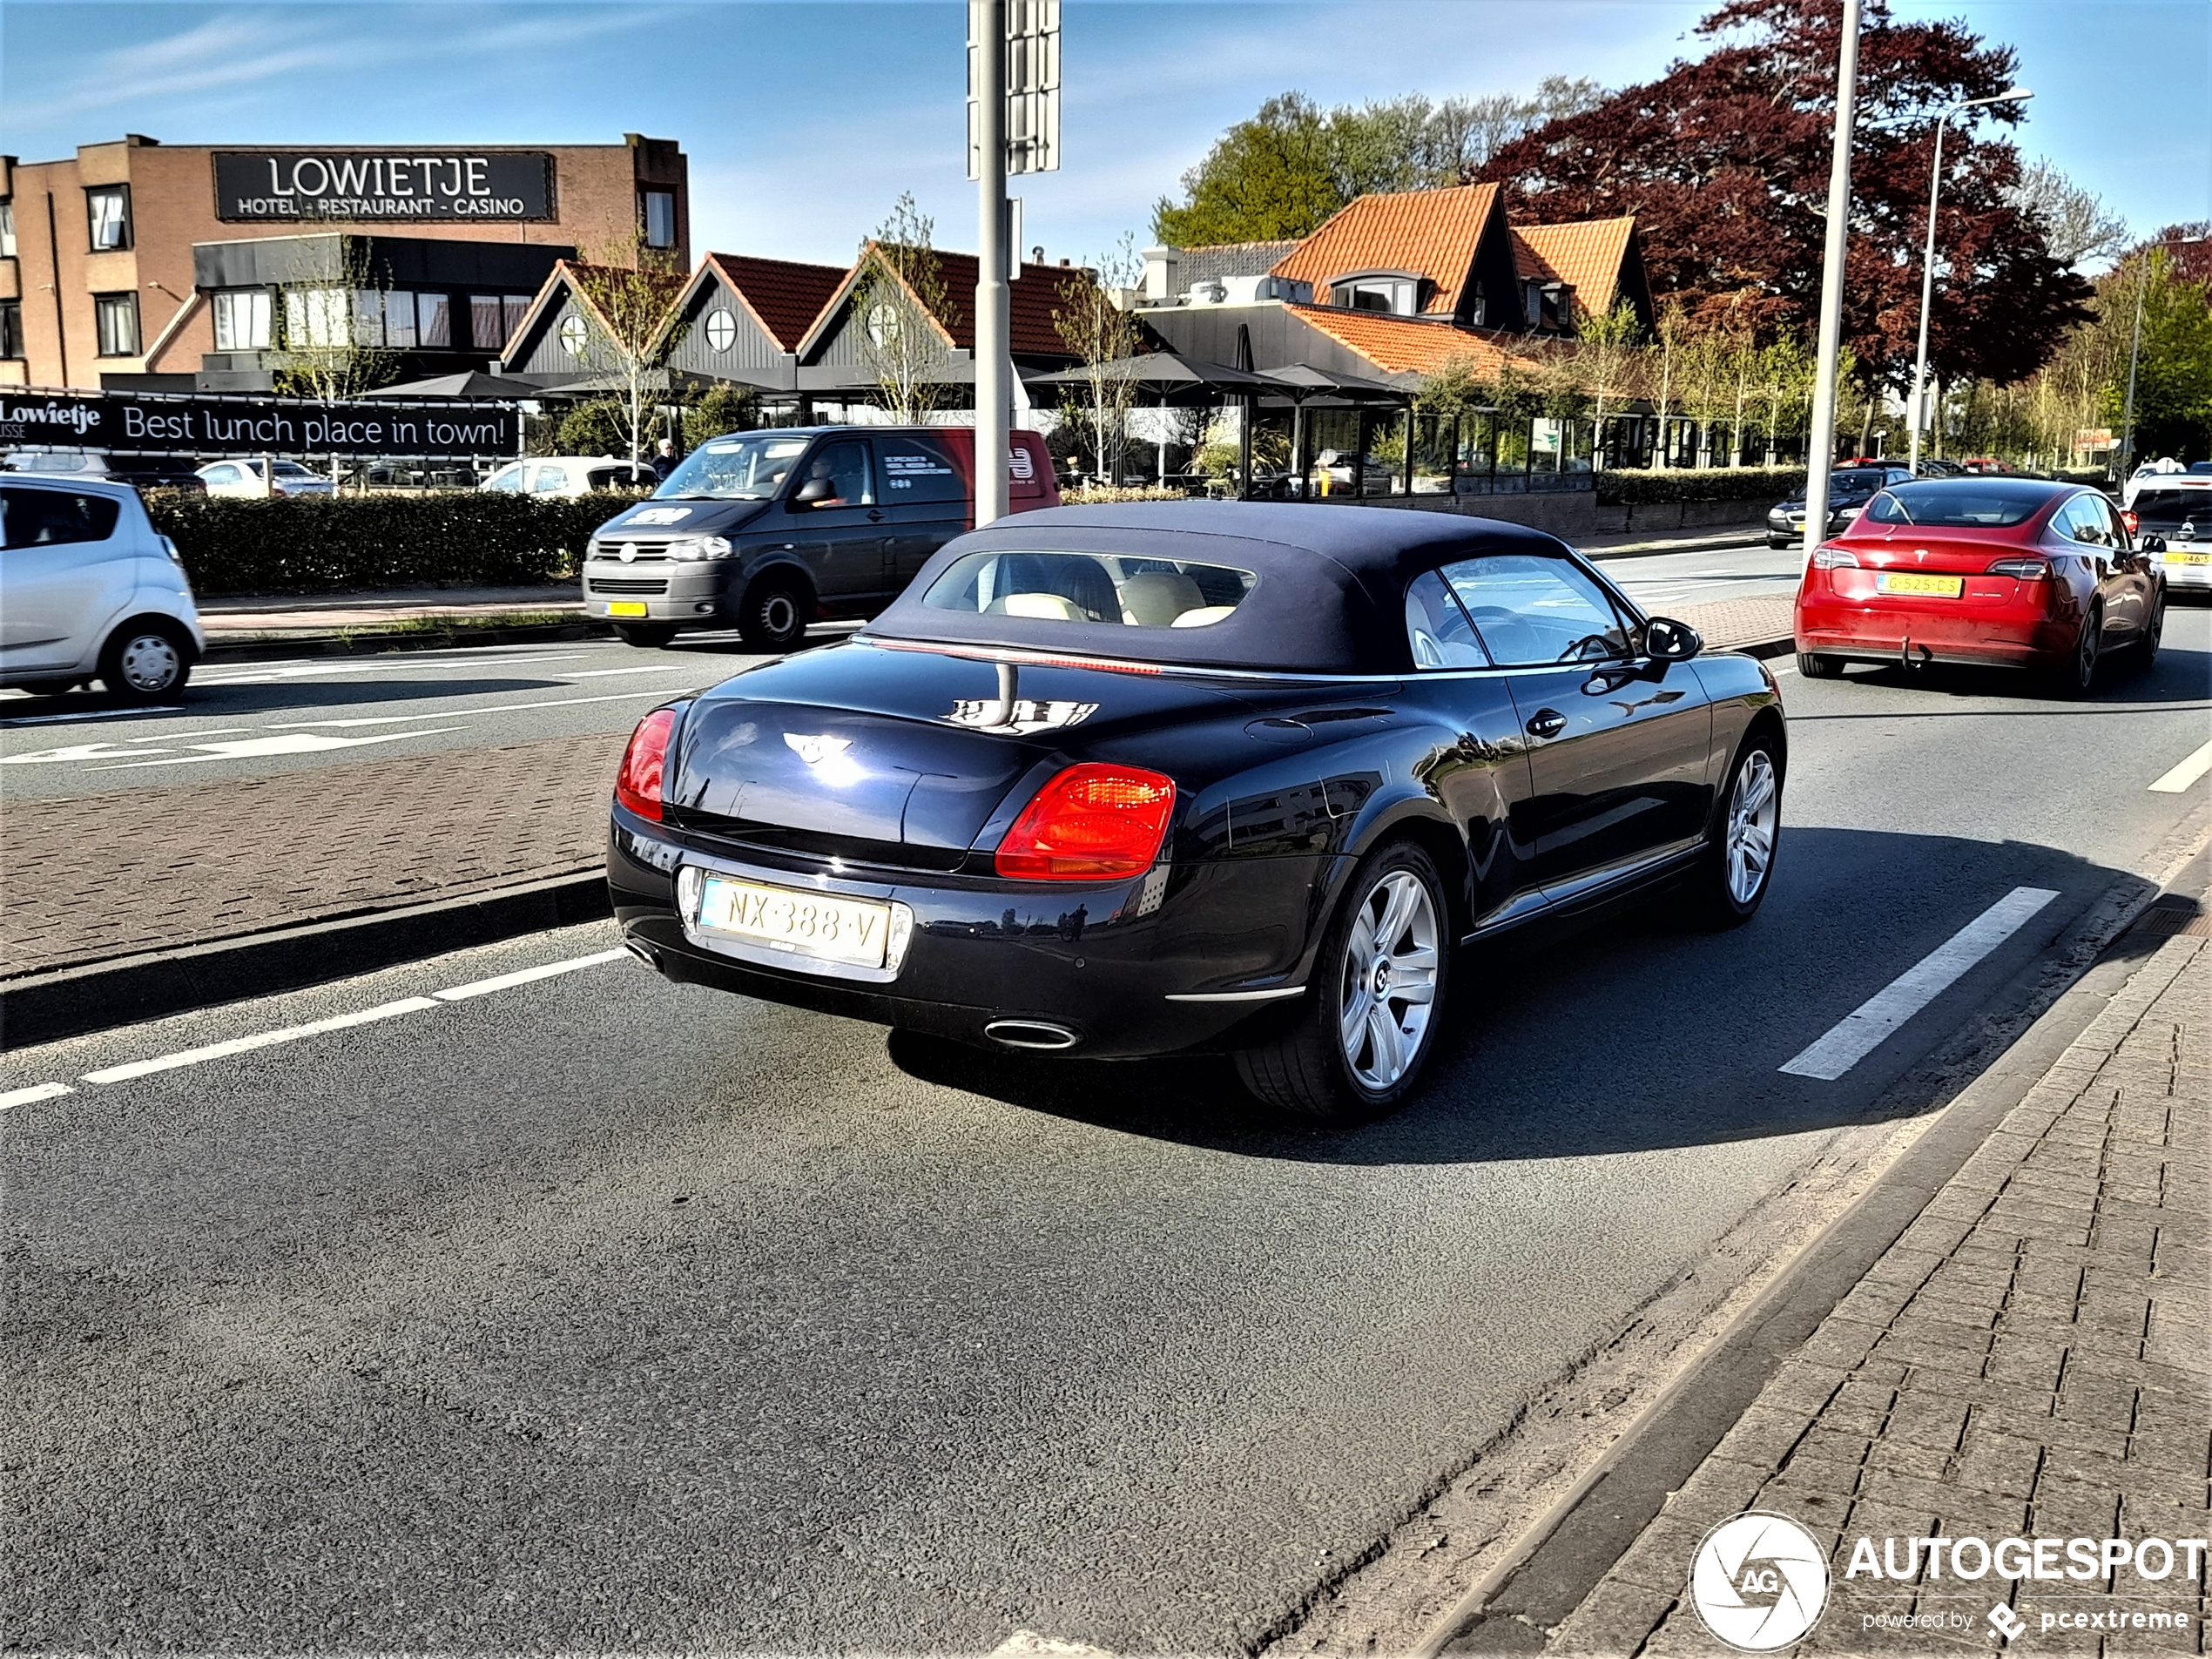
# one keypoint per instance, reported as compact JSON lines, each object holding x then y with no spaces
{"x":742,"y":319}
{"x":552,"y":344}
{"x":1595,"y":262}
{"x":1442,"y":254}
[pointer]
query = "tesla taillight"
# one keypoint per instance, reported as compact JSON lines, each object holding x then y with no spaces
{"x":2026,"y":569}
{"x":1834,"y":558}
{"x":1091,"y":822}
{"x":637,"y":785}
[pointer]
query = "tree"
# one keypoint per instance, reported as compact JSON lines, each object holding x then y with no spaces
{"x":897,"y":303}
{"x":1785,"y":382}
{"x":2076,"y":226}
{"x":1724,"y":162}
{"x":723,"y":408}
{"x":1097,"y":332}
{"x":2174,"y":366}
{"x":1607,"y":358}
{"x":1277,"y":176}
{"x":626,"y":291}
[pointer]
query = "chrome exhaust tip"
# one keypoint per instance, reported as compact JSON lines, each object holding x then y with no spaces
{"x":1037,"y":1034}
{"x":642,"y":952}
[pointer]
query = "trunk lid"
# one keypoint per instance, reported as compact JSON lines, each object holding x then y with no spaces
{"x":1905,"y":551}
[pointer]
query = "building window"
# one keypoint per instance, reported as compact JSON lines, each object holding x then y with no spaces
{"x":399,"y":320}
{"x":516,"y":307}
{"x":660,"y":218}
{"x":432,"y":321}
{"x":117,"y":317}
{"x":108,"y":209}
{"x":10,"y":328}
{"x":1397,"y":296}
{"x":242,"y":320}
{"x":7,"y":230}
{"x":493,"y":319}
{"x":721,"y":329}
{"x":314,"y":318}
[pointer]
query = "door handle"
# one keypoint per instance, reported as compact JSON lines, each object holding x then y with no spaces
{"x":874,"y":517}
{"x":1546,"y":723}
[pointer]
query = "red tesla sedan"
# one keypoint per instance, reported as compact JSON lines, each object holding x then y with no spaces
{"x":2016,"y":572}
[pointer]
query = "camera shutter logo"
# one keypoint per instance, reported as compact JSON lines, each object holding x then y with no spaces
{"x":1759,"y":1582}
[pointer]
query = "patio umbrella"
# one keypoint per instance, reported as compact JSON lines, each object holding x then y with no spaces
{"x":1169,"y":377}
{"x":472,"y":384}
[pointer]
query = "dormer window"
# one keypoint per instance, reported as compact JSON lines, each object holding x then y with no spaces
{"x":1396,"y":293}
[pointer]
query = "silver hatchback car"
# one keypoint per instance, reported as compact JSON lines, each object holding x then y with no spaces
{"x":88,"y":589}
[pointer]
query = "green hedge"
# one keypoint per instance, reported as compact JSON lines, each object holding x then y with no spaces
{"x":1641,"y":488}
{"x":238,"y":544}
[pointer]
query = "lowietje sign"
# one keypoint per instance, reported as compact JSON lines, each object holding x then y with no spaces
{"x":128,"y":423}
{"x":480,"y":186}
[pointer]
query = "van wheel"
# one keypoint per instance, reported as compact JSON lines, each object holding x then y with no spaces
{"x":775,"y":611}
{"x":650,"y":636}
{"x":146,"y":660}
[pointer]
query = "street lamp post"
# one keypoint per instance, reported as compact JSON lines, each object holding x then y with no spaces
{"x":1927,"y":259}
{"x":1820,"y":458}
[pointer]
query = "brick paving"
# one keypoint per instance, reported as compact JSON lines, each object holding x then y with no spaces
{"x":97,"y":877}
{"x":2033,"y":1358}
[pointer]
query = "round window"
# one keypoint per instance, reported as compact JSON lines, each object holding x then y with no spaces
{"x":883,"y":325}
{"x":574,"y":335}
{"x":721,"y":330}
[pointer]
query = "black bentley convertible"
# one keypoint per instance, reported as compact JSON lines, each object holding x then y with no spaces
{"x":1116,"y":781}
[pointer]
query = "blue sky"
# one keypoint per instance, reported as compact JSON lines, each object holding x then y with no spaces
{"x":803,"y":121}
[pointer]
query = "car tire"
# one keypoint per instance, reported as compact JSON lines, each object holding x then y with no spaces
{"x":1341,"y":1063}
{"x":1731,"y":878}
{"x":146,"y":659}
{"x":2079,"y":676}
{"x":647,"y":636}
{"x":1814,"y":667}
{"x":2155,"y":632}
{"x":774,"y":612}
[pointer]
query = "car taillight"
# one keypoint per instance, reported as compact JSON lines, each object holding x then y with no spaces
{"x":637,"y":785}
{"x":2129,"y":519}
{"x":1091,"y":822}
{"x":2026,"y":569}
{"x":1834,"y":558}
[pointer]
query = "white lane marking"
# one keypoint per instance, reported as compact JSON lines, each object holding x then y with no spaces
{"x":1864,"y":1028}
{"x":524,"y":976}
{"x":678,"y":665}
{"x":93,"y":714}
{"x":455,"y":714}
{"x":70,"y":752}
{"x":261,"y":1040}
{"x":398,"y":662}
{"x":37,"y":1091}
{"x":2177,"y":781}
{"x":290,"y":742}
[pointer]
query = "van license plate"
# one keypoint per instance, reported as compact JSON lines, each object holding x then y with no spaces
{"x":1938,"y":587}
{"x":806,"y":924}
{"x":625,"y":607}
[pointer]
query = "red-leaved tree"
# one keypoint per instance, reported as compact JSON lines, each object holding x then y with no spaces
{"x":1724,"y":162}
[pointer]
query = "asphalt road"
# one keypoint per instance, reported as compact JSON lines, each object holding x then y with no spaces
{"x":251,"y":719}
{"x":592,"y":1314}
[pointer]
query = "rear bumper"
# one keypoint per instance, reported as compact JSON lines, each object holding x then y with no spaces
{"x":2195,"y":578}
{"x":1093,"y":961}
{"x":1890,"y":630}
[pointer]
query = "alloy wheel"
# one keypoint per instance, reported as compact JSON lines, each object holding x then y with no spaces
{"x":779,"y":614}
{"x":150,"y":663}
{"x":1388,"y":992}
{"x":1751,"y":814}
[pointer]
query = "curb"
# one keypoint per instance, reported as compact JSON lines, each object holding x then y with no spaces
{"x":73,"y":1001}
{"x":1568,"y":1553}
{"x":371,"y":641}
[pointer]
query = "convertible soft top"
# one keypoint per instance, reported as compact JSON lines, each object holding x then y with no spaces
{"x":1329,"y":597}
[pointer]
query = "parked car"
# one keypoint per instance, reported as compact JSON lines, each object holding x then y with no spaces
{"x":2175,"y":512}
{"x":1936,"y":466}
{"x":259,"y":479}
{"x":1140,"y":779}
{"x":769,"y":531}
{"x":569,"y":475}
{"x":143,"y":472}
{"x":1849,"y":489}
{"x":2017,"y":572}
{"x":88,"y":590}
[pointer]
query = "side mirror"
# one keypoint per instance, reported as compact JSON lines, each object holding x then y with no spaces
{"x":1668,"y":641}
{"x":814,"y":492}
{"x":2150,"y":545}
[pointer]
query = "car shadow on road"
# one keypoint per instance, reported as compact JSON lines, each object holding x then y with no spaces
{"x":1634,"y":1031}
{"x":246,"y":696}
{"x":2124,"y":683}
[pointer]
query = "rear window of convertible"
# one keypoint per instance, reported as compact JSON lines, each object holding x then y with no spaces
{"x":1090,"y":587}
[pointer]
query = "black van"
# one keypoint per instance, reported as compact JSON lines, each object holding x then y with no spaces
{"x":767,"y":531}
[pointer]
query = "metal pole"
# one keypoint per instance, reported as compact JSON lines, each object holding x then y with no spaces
{"x":994,"y":358}
{"x":1927,"y":295}
{"x":1821,"y":461}
{"x":2135,"y":349}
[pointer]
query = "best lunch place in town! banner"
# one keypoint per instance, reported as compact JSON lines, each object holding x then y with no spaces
{"x":128,"y":423}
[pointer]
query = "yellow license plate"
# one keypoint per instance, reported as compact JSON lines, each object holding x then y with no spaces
{"x":1940,"y":587}
{"x":625,"y":607}
{"x":2172,"y":558}
{"x":806,"y":924}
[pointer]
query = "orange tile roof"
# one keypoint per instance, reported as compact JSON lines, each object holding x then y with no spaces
{"x":1404,"y":345}
{"x":1434,"y":232}
{"x":783,"y":295}
{"x":1586,"y":256}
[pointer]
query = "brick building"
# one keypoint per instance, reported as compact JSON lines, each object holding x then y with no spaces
{"x":139,"y":264}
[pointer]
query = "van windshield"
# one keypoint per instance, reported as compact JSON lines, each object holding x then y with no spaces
{"x":750,"y":466}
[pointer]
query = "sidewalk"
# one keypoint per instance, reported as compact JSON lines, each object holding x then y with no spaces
{"x":2029,"y":1359}
{"x":244,"y":626}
